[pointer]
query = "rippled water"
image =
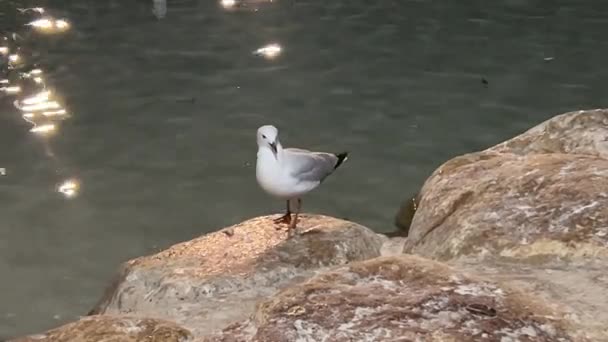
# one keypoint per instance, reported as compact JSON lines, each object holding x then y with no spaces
{"x":157,"y":112}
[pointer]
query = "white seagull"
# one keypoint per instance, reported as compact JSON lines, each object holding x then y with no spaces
{"x":290,"y":173}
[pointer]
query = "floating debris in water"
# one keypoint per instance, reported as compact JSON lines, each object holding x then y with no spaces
{"x":484,"y":82}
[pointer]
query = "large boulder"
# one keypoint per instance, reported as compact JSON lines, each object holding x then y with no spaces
{"x":113,"y":328}
{"x":405,"y":298}
{"x":541,"y":194}
{"x":216,"y":279}
{"x":580,"y":132}
{"x":531,"y":206}
{"x":579,"y":289}
{"x":531,"y":212}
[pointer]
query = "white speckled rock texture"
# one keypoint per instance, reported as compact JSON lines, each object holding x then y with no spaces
{"x":580,"y":132}
{"x":216,"y":279}
{"x":113,"y":329}
{"x":532,"y":212}
{"x":541,"y":194}
{"x":579,"y":289}
{"x":517,"y":206}
{"x":405,"y":298}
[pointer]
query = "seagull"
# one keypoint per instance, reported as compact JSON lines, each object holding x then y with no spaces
{"x":290,"y":173}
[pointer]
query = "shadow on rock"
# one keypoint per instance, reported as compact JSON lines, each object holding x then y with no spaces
{"x":405,"y":215}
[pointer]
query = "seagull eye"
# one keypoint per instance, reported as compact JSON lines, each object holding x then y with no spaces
{"x":263,"y":136}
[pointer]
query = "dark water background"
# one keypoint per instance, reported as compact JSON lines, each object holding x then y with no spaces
{"x":162,"y":117}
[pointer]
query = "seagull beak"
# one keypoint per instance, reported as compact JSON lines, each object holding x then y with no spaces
{"x":273,"y":147}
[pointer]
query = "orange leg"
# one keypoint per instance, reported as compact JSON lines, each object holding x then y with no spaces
{"x":285,"y":218}
{"x":294,"y":222}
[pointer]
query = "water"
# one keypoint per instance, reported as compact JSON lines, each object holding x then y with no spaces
{"x":163,"y":108}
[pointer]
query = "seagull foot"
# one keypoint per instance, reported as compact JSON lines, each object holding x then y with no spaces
{"x":286,"y":219}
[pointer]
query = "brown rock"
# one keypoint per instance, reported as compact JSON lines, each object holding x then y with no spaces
{"x":113,"y":328}
{"x":530,"y":206}
{"x":542,"y":193}
{"x":577,"y":289}
{"x":216,"y":279}
{"x":532,"y":212}
{"x":404,"y":298}
{"x":580,"y":132}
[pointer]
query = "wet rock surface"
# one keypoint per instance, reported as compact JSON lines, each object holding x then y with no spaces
{"x":216,"y":279}
{"x":405,"y":298}
{"x":405,"y":215}
{"x":113,"y":328}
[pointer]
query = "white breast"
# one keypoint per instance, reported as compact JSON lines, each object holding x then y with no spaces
{"x":276,"y":181}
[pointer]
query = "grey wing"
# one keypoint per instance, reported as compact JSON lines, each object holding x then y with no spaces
{"x":309,"y":166}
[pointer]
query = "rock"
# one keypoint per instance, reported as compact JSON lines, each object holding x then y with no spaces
{"x":532,"y":206}
{"x":531,"y":212}
{"x":541,"y":194}
{"x":216,"y":279}
{"x":405,"y":298}
{"x":581,"y":132}
{"x":113,"y":328}
{"x":393,"y":246}
{"x":577,"y":289}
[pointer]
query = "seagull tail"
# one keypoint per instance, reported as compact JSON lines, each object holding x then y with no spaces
{"x":342,"y":157}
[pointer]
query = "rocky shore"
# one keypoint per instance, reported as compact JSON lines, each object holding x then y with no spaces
{"x":505,"y":244}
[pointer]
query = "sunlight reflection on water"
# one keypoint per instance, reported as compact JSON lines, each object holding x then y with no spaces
{"x":251,"y":5}
{"x":25,"y":82}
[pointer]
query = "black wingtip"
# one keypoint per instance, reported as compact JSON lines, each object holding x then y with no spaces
{"x":342,"y":157}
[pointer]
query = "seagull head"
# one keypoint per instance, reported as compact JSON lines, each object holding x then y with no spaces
{"x":268,"y":136}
